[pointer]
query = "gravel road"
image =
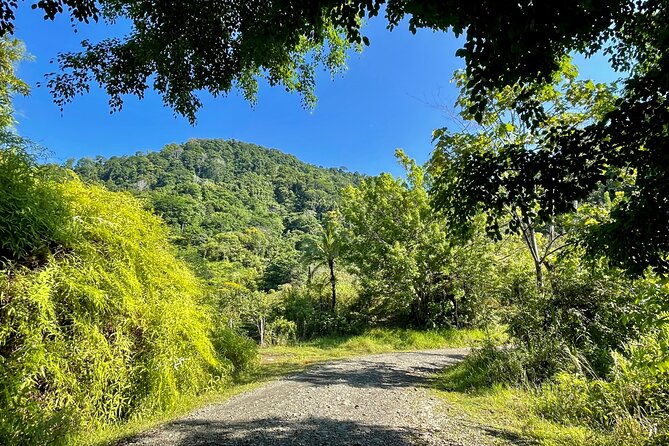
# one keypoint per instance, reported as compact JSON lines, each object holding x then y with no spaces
{"x":371,"y":400}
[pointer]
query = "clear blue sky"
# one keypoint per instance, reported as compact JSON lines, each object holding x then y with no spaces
{"x":387,"y":99}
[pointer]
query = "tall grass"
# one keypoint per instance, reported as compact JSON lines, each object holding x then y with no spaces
{"x":378,"y":340}
{"x":632,"y":403}
{"x":628,"y":407}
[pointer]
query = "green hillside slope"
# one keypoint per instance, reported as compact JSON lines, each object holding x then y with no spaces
{"x":247,"y":206}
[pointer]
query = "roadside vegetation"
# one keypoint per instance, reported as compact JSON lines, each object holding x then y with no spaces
{"x":135,"y":288}
{"x":572,"y":408}
{"x":277,"y":361}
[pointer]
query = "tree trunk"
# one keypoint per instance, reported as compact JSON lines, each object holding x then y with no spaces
{"x":456,"y":316}
{"x":540,"y":276}
{"x":261,"y":331}
{"x":530,"y":238}
{"x":333,"y":283}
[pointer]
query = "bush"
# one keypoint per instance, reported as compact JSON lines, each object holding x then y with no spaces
{"x":586,"y":314}
{"x":107,"y":330}
{"x":281,"y":331}
{"x":240,"y":350}
{"x":306,"y":308}
{"x":35,"y":218}
{"x":485,"y":367}
{"x":633,"y":402}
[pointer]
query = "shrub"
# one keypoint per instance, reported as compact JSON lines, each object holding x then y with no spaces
{"x":281,"y":331}
{"x":633,"y":402}
{"x":485,"y":367}
{"x":109,"y":329}
{"x":240,"y":350}
{"x":585,"y":315}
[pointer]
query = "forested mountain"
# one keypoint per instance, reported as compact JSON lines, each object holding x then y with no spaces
{"x":207,"y":186}
{"x":248,"y":211}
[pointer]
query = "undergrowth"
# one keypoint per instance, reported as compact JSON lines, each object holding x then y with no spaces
{"x":107,"y":327}
{"x":628,"y":407}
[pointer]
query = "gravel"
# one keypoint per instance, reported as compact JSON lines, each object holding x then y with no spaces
{"x":371,"y":400}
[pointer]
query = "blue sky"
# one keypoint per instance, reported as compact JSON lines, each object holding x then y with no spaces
{"x":389,"y":98}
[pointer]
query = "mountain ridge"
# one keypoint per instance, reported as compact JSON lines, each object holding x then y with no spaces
{"x":204,"y":187}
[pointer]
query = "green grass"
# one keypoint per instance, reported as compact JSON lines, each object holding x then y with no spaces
{"x":510,"y":411}
{"x":279,"y":361}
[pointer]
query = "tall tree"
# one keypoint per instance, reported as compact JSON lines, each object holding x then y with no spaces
{"x":398,"y":246}
{"x":482,"y":167}
{"x":325,"y":250}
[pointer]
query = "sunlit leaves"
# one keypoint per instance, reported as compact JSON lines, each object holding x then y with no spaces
{"x":502,"y":164}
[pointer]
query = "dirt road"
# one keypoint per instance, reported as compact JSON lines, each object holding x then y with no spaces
{"x":371,"y":400}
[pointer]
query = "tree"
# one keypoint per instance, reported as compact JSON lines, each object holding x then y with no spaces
{"x":185,"y":47}
{"x":188,"y":46}
{"x":324,"y":250}
{"x":396,"y":244}
{"x":482,"y":167}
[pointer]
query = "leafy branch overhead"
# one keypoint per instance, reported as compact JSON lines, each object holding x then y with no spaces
{"x":181,"y":48}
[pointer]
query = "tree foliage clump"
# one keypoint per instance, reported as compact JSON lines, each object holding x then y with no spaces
{"x":109,"y":326}
{"x":411,"y":268}
{"x":505,"y":42}
{"x":486,"y":167}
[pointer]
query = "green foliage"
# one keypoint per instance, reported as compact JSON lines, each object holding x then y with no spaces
{"x":395,"y":244}
{"x":411,"y":269}
{"x":34,"y":217}
{"x":377,"y":340}
{"x":465,"y":164}
{"x":537,"y":170}
{"x":309,"y":308}
{"x":223,"y":185}
{"x":483,"y":368}
{"x":503,"y":49}
{"x":12,"y":52}
{"x":631,"y":403}
{"x":324,"y":250}
{"x":588,"y":313}
{"x":243,"y":44}
{"x":284,"y":42}
{"x":110,"y":329}
{"x":281,"y":331}
{"x":239,"y":349}
{"x":381,"y":340}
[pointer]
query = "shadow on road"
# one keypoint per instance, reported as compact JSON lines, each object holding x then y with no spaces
{"x":281,"y":432}
{"x":376,"y":373}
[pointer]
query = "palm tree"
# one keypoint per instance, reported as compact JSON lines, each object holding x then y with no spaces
{"x":324,"y":250}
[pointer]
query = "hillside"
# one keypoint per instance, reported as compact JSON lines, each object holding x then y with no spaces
{"x":221,"y":185}
{"x":228,"y":200}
